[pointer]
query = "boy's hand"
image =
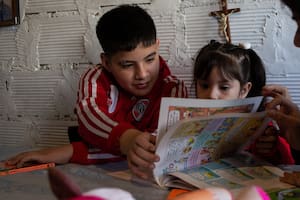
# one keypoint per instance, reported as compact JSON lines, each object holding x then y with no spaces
{"x":59,"y":155}
{"x":140,"y":150}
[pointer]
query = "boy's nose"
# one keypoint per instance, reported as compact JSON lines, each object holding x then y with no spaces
{"x":140,"y":71}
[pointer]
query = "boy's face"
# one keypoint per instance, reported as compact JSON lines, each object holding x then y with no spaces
{"x":218,"y":87}
{"x":135,"y":71}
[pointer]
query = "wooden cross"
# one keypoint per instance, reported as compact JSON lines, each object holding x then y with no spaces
{"x":223,"y":17}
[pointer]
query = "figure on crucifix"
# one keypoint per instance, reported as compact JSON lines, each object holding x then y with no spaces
{"x":223,"y":17}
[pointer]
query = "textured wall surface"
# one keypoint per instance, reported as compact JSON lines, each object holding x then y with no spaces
{"x":42,"y":58}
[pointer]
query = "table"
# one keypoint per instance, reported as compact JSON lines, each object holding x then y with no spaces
{"x":34,"y":185}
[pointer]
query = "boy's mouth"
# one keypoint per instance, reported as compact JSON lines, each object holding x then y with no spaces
{"x":141,"y":86}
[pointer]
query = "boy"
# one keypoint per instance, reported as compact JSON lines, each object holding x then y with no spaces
{"x":118,"y":101}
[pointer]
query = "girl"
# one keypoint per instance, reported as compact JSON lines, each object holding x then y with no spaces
{"x":227,"y":71}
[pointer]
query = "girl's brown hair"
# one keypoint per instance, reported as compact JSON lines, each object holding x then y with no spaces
{"x":234,"y":62}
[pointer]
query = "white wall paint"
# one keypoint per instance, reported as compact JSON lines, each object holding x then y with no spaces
{"x":42,"y":58}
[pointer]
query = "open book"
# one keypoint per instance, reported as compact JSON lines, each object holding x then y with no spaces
{"x":194,"y":133}
{"x":233,"y":173}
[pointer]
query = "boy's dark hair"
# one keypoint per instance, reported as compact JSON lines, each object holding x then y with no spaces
{"x":234,"y":62}
{"x":124,"y":27}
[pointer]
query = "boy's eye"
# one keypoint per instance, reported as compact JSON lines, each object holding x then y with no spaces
{"x":149,"y":60}
{"x":125,"y":64}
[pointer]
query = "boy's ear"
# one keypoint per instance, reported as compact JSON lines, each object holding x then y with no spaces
{"x":157,"y":42}
{"x":245,"y":90}
{"x":105,"y":61}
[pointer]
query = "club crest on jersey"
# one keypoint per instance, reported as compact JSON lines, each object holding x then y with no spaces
{"x":139,"y":109}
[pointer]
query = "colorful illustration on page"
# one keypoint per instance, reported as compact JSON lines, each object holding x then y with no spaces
{"x":176,"y":113}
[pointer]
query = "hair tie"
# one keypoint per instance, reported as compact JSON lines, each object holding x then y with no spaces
{"x":245,"y":45}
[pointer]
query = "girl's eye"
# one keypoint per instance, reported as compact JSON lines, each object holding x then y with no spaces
{"x":203,"y":85}
{"x":224,"y":87}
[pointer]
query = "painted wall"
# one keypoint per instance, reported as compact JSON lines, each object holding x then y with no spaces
{"x":42,"y":58}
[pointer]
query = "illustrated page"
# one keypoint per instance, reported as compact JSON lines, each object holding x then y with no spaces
{"x":196,"y":141}
{"x":234,"y":174}
{"x":175,"y":109}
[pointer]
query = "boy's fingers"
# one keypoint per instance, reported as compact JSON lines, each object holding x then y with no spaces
{"x":153,"y":139}
{"x":146,"y":155}
{"x":145,"y":145}
{"x":140,"y":160}
{"x":144,"y":142}
{"x":138,"y":170}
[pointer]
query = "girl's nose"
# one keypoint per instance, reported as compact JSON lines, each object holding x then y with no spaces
{"x":212,"y":93}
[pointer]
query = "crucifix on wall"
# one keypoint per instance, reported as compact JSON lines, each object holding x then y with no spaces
{"x":223,"y":18}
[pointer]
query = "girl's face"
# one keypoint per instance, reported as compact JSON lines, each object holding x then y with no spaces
{"x":218,"y":87}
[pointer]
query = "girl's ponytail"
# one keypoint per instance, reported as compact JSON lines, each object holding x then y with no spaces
{"x":257,"y":73}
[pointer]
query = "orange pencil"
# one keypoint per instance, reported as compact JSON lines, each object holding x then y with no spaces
{"x":26,"y":169}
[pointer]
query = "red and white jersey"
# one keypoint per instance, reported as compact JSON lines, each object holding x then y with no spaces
{"x":105,"y":111}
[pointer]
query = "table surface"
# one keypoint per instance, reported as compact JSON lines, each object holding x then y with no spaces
{"x":35,"y":184}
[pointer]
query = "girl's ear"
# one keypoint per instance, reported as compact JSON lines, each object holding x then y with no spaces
{"x":245,"y":90}
{"x":105,"y":61}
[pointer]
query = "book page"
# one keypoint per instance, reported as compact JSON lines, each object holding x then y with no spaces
{"x":199,"y":140}
{"x":175,"y":109}
{"x":232,"y":173}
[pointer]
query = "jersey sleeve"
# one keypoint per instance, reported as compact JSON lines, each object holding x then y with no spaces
{"x":84,"y":154}
{"x":96,"y":126}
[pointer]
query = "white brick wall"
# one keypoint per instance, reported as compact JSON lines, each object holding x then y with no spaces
{"x":42,"y":58}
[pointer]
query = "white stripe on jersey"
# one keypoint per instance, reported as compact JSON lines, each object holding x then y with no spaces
{"x":94,"y":83}
{"x":89,"y":127}
{"x":102,"y":156}
{"x":94,"y":118}
{"x":93,"y":80}
{"x":82,"y":92}
{"x":102,"y":115}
